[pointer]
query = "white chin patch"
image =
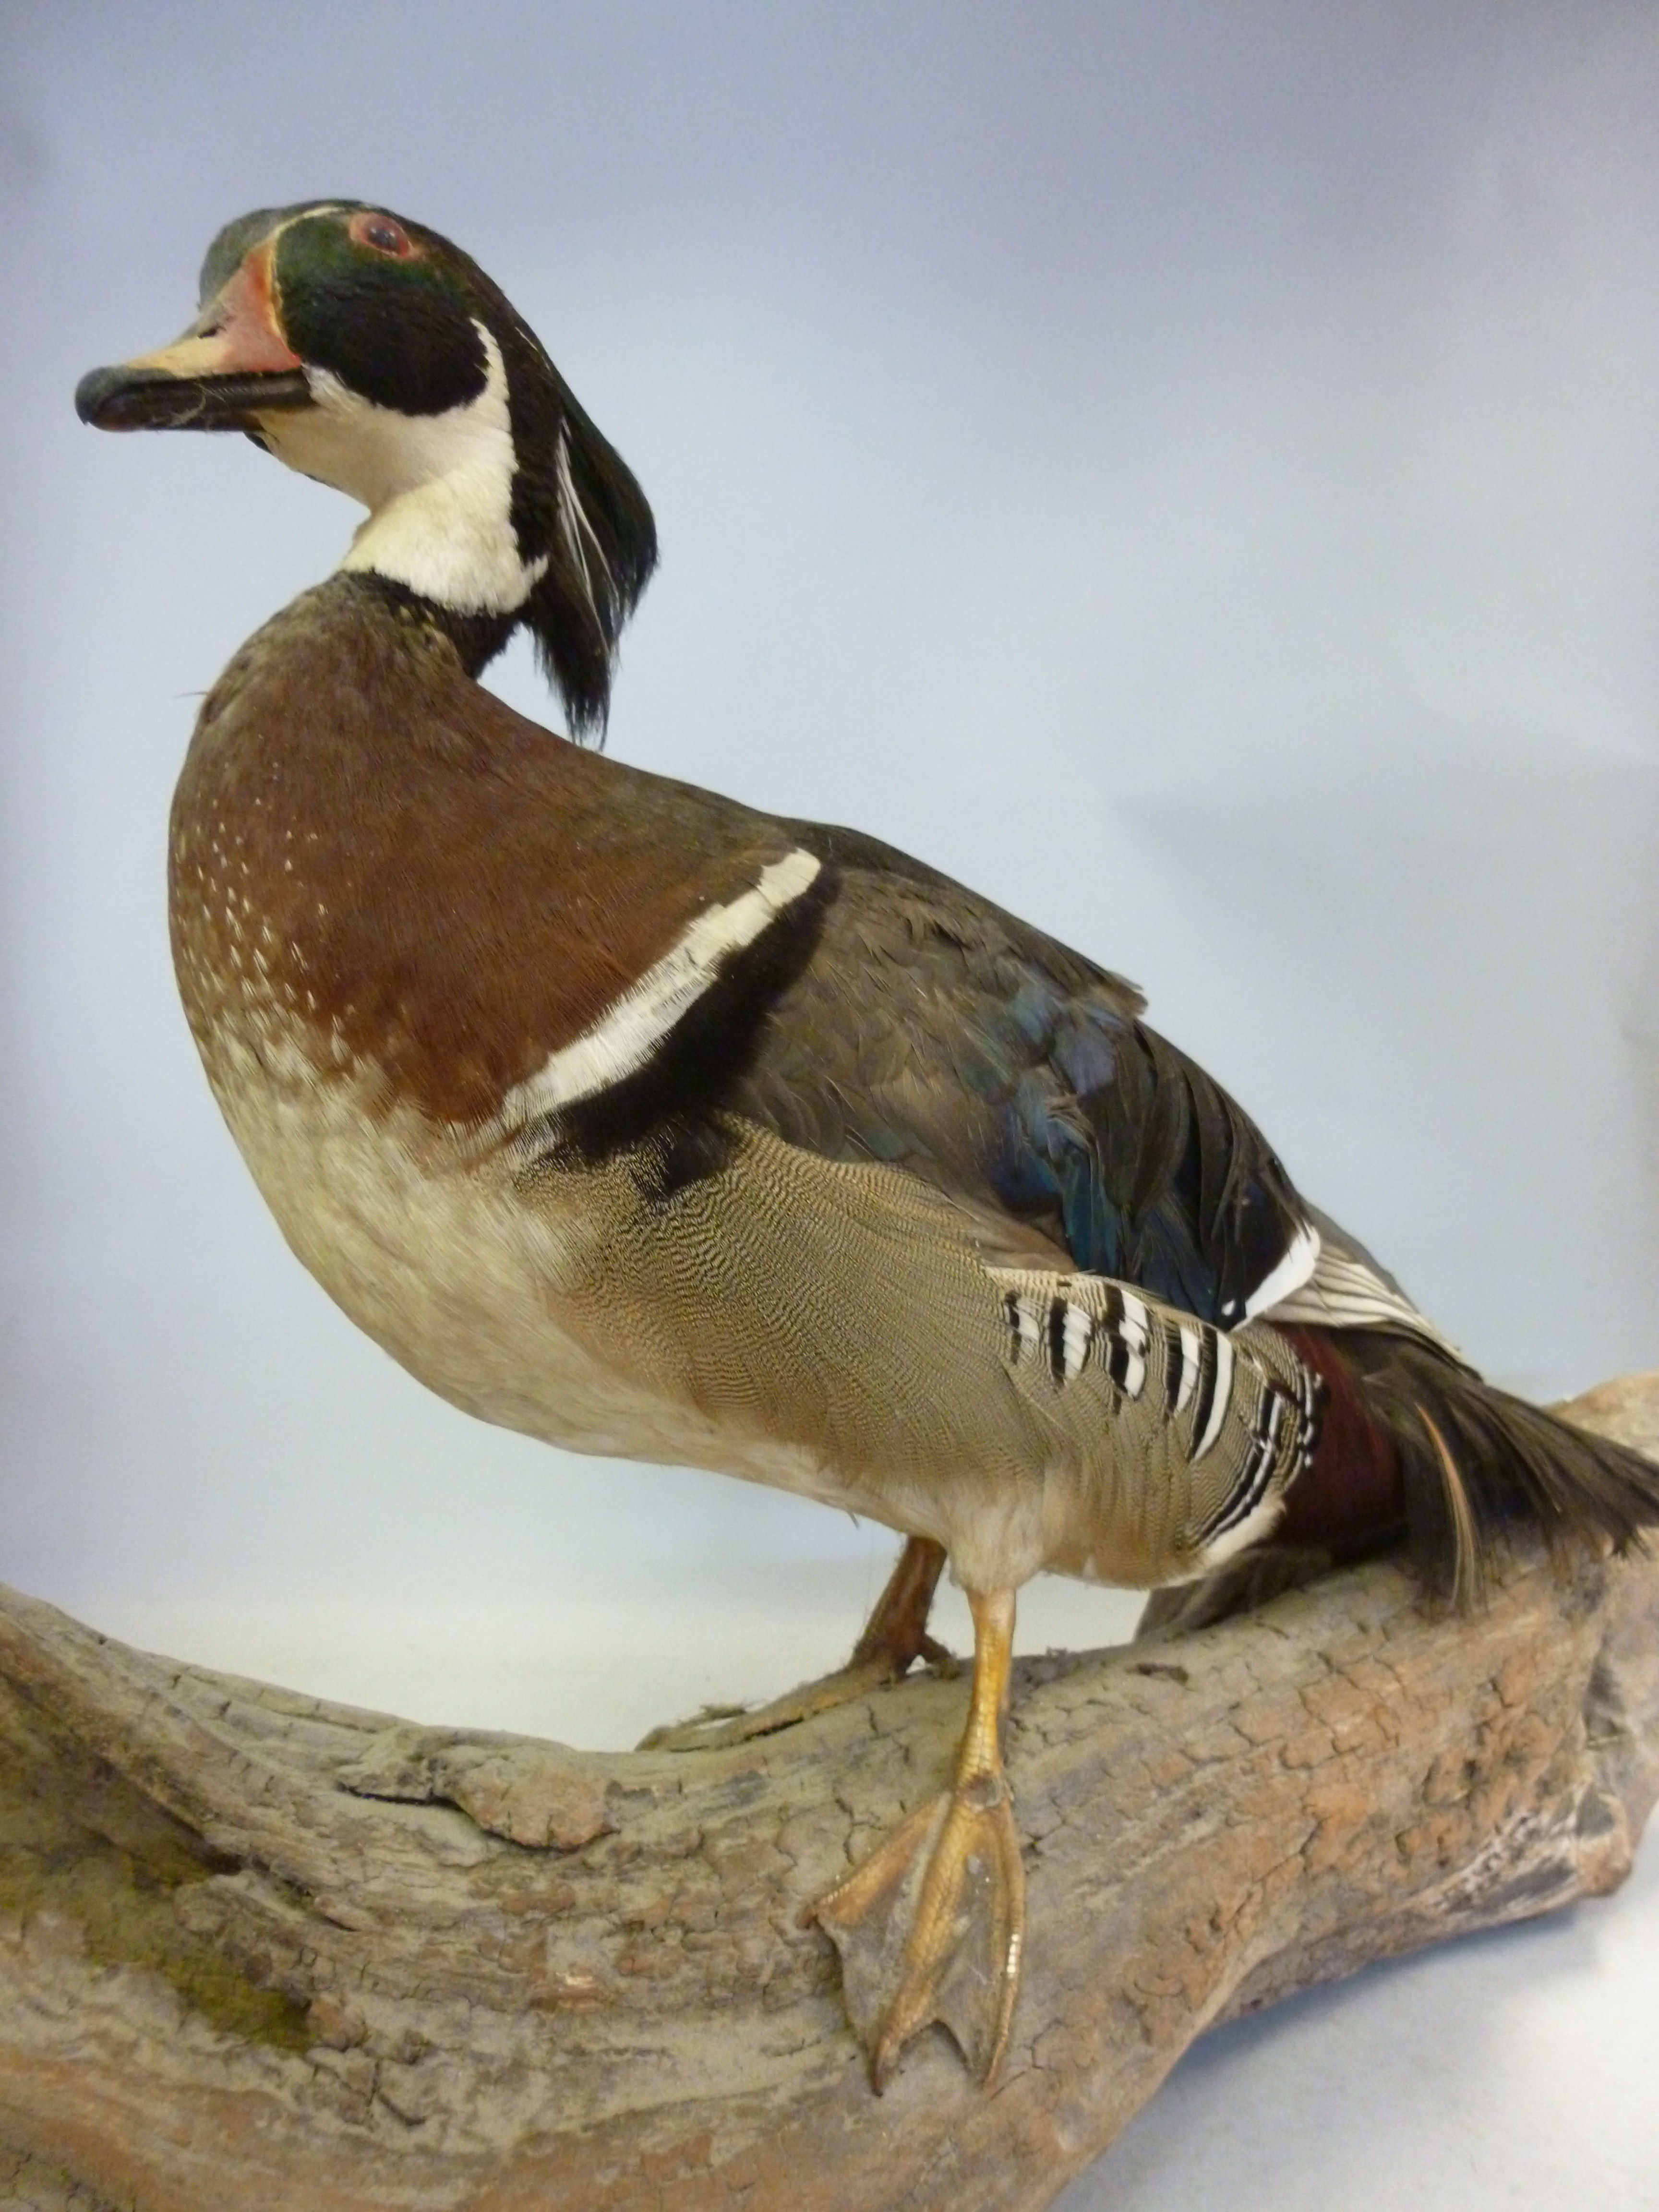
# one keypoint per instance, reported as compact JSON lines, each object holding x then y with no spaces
{"x":438,"y":487}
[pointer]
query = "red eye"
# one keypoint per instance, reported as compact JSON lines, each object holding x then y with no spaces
{"x":380,"y":232}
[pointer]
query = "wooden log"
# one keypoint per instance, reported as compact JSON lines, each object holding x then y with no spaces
{"x":255,"y":1947}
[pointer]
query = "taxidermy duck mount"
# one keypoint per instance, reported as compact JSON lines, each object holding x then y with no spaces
{"x":628,"y":1116}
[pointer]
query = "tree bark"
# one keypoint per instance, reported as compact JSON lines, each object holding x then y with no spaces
{"x":257,"y":1949}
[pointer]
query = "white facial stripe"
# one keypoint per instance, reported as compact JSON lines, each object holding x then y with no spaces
{"x":438,"y":487}
{"x":621,"y":1043}
{"x":303,"y":215}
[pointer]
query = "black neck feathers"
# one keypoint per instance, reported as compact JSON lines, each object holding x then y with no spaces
{"x":477,"y":638}
{"x":578,"y":506}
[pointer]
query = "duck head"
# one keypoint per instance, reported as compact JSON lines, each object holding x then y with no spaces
{"x":367,"y":351}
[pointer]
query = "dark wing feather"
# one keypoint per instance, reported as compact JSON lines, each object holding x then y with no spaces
{"x":929,"y":1029}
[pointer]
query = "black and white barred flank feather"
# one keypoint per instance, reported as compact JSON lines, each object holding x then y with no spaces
{"x":1227,"y":1422}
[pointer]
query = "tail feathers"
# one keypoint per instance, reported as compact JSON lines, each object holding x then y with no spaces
{"x":1474,"y":1461}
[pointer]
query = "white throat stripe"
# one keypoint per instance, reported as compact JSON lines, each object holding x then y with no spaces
{"x":624,"y":1039}
{"x":438,"y":487}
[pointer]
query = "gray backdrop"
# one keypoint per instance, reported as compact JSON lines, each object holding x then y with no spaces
{"x":1191,"y":471}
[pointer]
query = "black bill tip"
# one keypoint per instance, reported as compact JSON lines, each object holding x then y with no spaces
{"x":130,"y":396}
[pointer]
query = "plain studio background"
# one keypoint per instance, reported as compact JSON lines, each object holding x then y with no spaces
{"x":1192,"y":472}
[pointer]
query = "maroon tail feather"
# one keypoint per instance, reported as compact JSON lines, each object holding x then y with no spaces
{"x":1412,"y":1442}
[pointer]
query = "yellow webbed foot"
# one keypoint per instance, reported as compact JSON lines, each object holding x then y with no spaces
{"x":930,"y":1927}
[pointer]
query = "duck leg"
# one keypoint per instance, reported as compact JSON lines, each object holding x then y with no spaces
{"x":931,"y":1926}
{"x":895,"y":1637}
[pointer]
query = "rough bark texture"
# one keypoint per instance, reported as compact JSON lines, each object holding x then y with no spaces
{"x":258,"y":1950}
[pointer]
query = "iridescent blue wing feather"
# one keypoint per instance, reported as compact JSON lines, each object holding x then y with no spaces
{"x":930,"y":1030}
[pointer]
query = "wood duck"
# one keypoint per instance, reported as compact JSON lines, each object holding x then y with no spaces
{"x":628,"y":1116}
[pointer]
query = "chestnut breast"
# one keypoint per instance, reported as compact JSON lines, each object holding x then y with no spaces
{"x":376,"y":855}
